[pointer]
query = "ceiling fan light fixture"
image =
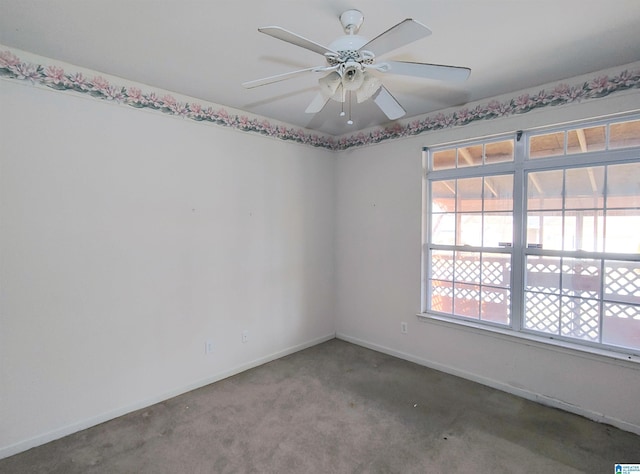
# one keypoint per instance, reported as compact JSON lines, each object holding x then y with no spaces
{"x":329,"y":84}
{"x":369,"y":87}
{"x":352,"y":77}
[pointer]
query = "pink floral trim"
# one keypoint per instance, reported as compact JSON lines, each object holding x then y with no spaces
{"x":561,"y":94}
{"x":54,"y":77}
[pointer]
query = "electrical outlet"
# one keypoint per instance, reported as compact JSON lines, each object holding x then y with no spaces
{"x":245,"y":336}
{"x":208,"y":346}
{"x":403,"y":328}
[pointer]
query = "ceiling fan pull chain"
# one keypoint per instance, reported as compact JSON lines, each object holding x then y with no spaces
{"x":349,"y":122}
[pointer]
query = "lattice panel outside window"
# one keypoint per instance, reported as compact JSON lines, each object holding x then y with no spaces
{"x":580,"y":318}
{"x":622,"y":279}
{"x":542,"y":312}
{"x":496,"y":272}
{"x":441,"y":269}
{"x":622,"y":311}
{"x":467,"y":271}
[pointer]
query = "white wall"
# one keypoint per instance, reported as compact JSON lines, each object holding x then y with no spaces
{"x":128,"y":238}
{"x":378,"y":253}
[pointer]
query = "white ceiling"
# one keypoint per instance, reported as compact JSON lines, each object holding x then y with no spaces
{"x":207,"y":48}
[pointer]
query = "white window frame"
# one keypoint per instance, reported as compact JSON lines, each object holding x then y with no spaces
{"x":520,"y":167}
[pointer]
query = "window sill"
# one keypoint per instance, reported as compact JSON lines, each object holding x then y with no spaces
{"x":548,"y":343}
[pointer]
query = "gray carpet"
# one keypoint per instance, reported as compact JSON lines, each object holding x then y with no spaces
{"x":338,"y":408}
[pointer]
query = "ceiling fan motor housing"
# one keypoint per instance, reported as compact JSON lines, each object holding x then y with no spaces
{"x":348,"y":48}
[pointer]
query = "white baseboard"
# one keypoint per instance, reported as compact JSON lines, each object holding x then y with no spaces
{"x":26,"y":444}
{"x":520,"y":392}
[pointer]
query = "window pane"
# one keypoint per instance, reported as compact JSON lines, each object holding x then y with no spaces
{"x":496,"y":269}
{"x":584,"y":188}
{"x":498,"y":152}
{"x":470,"y":230}
{"x":444,"y":159}
{"x":443,"y":229}
{"x":621,"y":325}
{"x":442,"y":265}
{"x":495,"y":296}
{"x":467,"y":267}
{"x":498,"y":193}
{"x":469,"y":194}
{"x":623,"y":186}
{"x":580,"y":318}
{"x":470,"y":156}
{"x":622,"y":281}
{"x":542,"y":312}
{"x":544,"y":190}
{"x":543,"y":274}
{"x":569,"y":232}
{"x":495,"y":305}
{"x":622,"y":235}
{"x":542,"y":146}
{"x":587,"y":233}
{"x":467,"y":300}
{"x":581,"y":277}
{"x":443,"y":196}
{"x":442,"y":296}
{"x":624,"y":134}
{"x":583,"y":140}
{"x":497,"y":229}
{"x":544,"y":230}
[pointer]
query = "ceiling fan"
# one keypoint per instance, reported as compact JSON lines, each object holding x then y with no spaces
{"x":352,"y":66}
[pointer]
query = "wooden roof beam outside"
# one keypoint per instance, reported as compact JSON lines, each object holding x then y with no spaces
{"x":582,"y":140}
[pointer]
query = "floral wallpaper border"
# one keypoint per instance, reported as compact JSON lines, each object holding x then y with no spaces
{"x":12,"y":67}
{"x":55,"y":77}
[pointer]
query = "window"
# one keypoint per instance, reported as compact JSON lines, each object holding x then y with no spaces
{"x":538,"y":233}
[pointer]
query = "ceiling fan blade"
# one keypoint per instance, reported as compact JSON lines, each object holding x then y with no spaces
{"x":429,"y":71}
{"x":317,"y":104}
{"x":388,"y":104}
{"x":276,"y":78}
{"x":289,"y":37}
{"x":403,"y":33}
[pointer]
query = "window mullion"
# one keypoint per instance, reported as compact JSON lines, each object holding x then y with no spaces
{"x":519,"y":237}
{"x":426,"y":231}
